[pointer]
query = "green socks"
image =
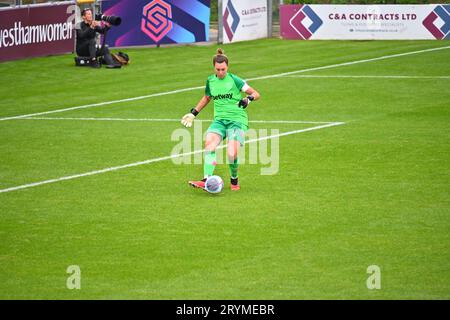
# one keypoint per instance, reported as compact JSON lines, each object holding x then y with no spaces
{"x":210,"y":163}
{"x":233,"y":166}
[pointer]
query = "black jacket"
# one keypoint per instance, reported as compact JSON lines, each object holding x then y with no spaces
{"x":86,"y":34}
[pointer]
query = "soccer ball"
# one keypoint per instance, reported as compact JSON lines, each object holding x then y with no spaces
{"x":214,"y":184}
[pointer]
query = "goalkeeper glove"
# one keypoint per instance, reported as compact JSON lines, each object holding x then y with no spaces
{"x":189,"y":118}
{"x":243,"y":103}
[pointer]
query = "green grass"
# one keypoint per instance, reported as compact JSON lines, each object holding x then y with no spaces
{"x":372,"y":191}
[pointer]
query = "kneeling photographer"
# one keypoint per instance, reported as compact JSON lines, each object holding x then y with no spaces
{"x":86,"y":41}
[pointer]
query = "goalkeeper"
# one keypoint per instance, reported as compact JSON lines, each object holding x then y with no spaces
{"x":230,"y":117}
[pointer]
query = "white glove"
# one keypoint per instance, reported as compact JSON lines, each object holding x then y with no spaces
{"x":187,"y":120}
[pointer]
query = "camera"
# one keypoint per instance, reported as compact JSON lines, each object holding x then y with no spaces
{"x":113,"y":20}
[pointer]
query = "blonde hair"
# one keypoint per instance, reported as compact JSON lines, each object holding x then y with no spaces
{"x":220,"y":57}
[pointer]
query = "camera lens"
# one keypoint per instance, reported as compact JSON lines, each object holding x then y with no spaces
{"x":114,"y":20}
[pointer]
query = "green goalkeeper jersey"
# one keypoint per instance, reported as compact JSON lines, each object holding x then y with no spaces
{"x":226,"y":94}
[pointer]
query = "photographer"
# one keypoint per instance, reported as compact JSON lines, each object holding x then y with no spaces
{"x":86,"y":40}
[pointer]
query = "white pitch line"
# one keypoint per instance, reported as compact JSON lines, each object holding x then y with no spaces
{"x":250,"y":79}
{"x":350,"y":63}
{"x":288,"y":121}
{"x":107,"y":119}
{"x":165,"y":120}
{"x":101,"y":103}
{"x":135,"y":164}
{"x":330,"y":124}
{"x":368,"y":77}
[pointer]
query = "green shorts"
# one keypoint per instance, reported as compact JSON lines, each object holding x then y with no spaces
{"x":231,"y":130}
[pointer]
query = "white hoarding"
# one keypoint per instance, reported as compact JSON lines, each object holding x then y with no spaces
{"x":244,"y":20}
{"x":366,"y":22}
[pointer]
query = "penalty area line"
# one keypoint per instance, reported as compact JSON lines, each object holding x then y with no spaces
{"x":166,"y":120}
{"x":140,"y":163}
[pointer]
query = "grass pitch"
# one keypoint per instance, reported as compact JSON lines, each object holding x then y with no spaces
{"x":371,"y":191}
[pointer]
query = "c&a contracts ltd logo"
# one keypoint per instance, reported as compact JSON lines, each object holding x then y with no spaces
{"x":438,"y":22}
{"x":157,"y":19}
{"x":230,"y":20}
{"x":305,"y":22}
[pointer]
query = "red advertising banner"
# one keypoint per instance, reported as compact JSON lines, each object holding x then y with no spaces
{"x":36,"y":31}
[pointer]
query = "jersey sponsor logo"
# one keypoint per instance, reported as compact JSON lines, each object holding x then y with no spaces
{"x":223,"y":96}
